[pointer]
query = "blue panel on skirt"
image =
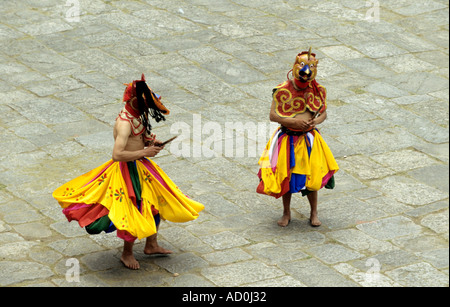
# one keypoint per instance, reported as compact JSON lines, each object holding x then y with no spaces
{"x":297,"y":183}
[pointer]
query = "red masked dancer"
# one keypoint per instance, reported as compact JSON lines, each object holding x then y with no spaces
{"x":297,"y":159}
{"x":129,"y":194}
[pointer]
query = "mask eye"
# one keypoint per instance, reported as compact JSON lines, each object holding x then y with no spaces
{"x":302,"y":63}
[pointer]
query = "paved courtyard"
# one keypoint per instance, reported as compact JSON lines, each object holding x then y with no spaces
{"x":385,"y":66}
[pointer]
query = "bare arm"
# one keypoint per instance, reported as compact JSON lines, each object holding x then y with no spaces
{"x":119,"y":151}
{"x":288,"y":122}
{"x":318,"y":120}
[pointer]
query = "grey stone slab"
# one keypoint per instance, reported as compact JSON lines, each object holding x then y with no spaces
{"x":46,"y":88}
{"x":408,"y":191}
{"x":234,"y":72}
{"x":17,"y":272}
{"x":360,"y":241}
{"x":235,"y":31}
{"x":33,"y":230}
{"x":98,"y":60}
{"x":44,"y":255}
{"x":46,"y":27}
{"x":100,"y":141}
{"x":365,"y":194}
{"x":16,"y":250}
{"x":100,"y":261}
{"x":438,"y":151}
{"x":8,"y":33}
{"x":166,"y":20}
{"x":389,"y":205}
{"x":438,"y":222}
{"x":365,"y":168}
{"x":263,"y":62}
{"x":218,"y":205}
{"x":224,"y":240}
{"x":406,"y":63}
{"x":14,"y":145}
{"x":424,"y":210}
{"x":366,"y":278}
{"x":341,"y":52}
{"x":427,"y":83}
{"x":434,"y":175}
{"x":22,"y":217}
{"x":70,"y":230}
{"x":184,"y":240}
{"x":378,"y":49}
{"x":270,"y":253}
{"x":55,"y":111}
{"x":416,"y":125}
{"x":385,"y":90}
{"x":10,"y":237}
{"x":413,"y":9}
{"x":344,"y":212}
{"x":428,"y":108}
{"x":369,"y":142}
{"x":75,"y":247}
{"x":334,"y":253}
{"x":47,"y":61}
{"x":4,"y":227}
{"x":405,"y":160}
{"x":38,"y":134}
{"x":181,"y":263}
{"x":419,"y":275}
{"x":313,"y":273}
{"x":205,"y":55}
{"x":387,"y":261}
{"x":410,"y":42}
{"x":368,"y":102}
{"x":304,"y":239}
{"x":227,"y":256}
{"x":438,"y":258}
{"x":237,"y":274}
{"x":371,"y":68}
{"x":390,"y":228}
{"x":346,"y":183}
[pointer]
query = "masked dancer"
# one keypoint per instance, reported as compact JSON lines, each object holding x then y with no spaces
{"x":129,"y":194}
{"x":296,"y":158}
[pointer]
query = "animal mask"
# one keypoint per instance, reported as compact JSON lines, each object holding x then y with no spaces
{"x":305,"y":68}
{"x":139,"y":96}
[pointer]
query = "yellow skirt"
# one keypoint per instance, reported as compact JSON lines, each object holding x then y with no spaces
{"x":295,"y":164}
{"x":129,"y":195}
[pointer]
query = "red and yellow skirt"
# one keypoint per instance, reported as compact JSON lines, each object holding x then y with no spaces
{"x":296,"y":162}
{"x":127,"y":197}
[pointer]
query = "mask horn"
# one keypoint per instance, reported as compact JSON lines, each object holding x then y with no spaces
{"x":309,"y":54}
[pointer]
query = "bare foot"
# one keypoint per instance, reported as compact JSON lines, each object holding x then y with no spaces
{"x":158,"y":250}
{"x":315,"y":220}
{"x":284,"y":221}
{"x":129,"y":261}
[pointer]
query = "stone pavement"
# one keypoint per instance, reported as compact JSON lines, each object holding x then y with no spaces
{"x":384,"y":63}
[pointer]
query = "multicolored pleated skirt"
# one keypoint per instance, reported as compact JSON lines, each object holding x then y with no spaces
{"x":296,"y":162}
{"x":127,"y":197}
